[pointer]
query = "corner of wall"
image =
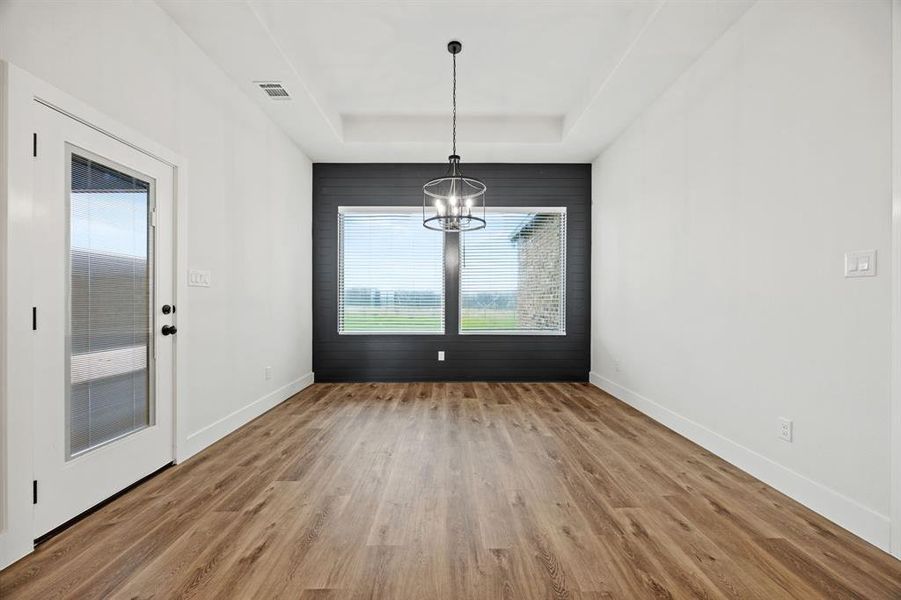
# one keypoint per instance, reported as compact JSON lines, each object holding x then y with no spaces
{"x":895,"y":410}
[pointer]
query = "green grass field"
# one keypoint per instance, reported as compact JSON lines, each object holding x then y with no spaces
{"x":368,"y":321}
{"x":365,"y":322}
{"x":489,"y":320}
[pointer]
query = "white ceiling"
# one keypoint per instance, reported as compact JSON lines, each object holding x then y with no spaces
{"x":538,"y":81}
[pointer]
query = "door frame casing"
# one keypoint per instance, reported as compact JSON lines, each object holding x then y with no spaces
{"x":19,"y":94}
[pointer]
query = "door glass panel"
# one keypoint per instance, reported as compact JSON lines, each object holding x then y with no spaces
{"x":110,"y":322}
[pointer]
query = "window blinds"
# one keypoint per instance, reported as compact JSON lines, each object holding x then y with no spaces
{"x":110,"y":275}
{"x":513,"y":274}
{"x":390,"y":272}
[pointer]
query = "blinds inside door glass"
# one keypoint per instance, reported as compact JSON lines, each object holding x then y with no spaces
{"x":110,"y":251}
{"x":513,"y":274}
{"x":390,"y":273}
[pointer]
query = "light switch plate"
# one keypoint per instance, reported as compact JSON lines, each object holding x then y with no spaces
{"x":860,"y":263}
{"x":198,"y":278}
{"x":441,"y":355}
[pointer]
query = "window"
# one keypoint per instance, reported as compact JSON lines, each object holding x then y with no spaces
{"x":110,"y":275}
{"x":390,"y":272}
{"x":513,"y":274}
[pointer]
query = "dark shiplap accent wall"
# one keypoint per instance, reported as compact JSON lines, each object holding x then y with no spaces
{"x":468,"y":357}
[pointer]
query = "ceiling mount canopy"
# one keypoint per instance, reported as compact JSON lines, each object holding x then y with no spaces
{"x":454,"y":202}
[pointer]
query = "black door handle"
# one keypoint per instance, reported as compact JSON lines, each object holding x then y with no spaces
{"x":170,"y":330}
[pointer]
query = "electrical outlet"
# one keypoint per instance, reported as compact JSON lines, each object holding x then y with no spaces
{"x":785,"y":429}
{"x":267,"y":373}
{"x":441,"y":355}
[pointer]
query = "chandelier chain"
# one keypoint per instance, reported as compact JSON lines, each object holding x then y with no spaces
{"x":454,"y":132}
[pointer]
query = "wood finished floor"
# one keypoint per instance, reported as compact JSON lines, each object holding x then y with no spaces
{"x":434,"y":491}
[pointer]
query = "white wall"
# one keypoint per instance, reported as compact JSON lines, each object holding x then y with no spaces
{"x":720,"y":222}
{"x":249,"y":193}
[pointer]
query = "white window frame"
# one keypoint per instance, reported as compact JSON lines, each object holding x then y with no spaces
{"x":338,"y":297}
{"x":563,"y":246}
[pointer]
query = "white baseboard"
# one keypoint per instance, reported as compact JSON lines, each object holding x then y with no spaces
{"x":841,"y":510}
{"x":214,"y":432}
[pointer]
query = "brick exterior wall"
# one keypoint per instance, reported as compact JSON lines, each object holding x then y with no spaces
{"x":540,"y":275}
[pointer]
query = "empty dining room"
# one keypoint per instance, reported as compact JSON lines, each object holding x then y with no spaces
{"x":390,"y":299}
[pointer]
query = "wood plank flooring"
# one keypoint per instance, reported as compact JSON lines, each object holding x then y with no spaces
{"x":453,"y":490}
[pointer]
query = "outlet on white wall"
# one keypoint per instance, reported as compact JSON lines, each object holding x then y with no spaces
{"x":441,"y":355}
{"x":267,"y":373}
{"x":785,"y":429}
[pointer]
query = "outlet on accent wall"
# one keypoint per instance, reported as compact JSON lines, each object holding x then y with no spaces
{"x":441,"y":355}
{"x":267,"y":373}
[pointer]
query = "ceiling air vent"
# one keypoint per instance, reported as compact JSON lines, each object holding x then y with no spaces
{"x":274,"y":90}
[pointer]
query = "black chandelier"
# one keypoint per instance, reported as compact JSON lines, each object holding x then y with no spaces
{"x":454,"y":202}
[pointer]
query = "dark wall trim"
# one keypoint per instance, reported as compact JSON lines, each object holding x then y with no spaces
{"x":488,"y":357}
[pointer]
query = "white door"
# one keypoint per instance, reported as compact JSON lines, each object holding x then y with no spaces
{"x":103,"y":271}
